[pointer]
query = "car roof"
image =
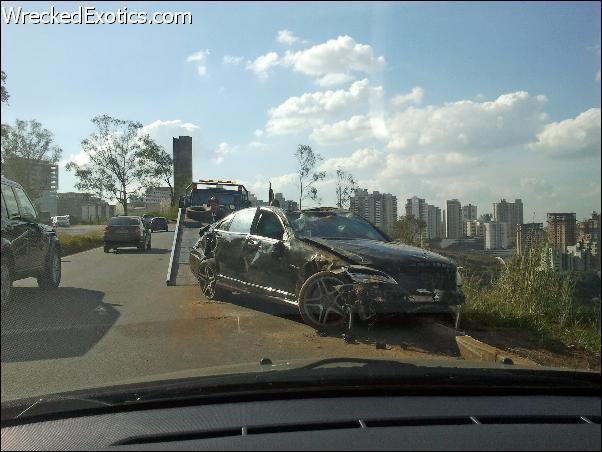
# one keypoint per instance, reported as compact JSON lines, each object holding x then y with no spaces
{"x":11,"y":182}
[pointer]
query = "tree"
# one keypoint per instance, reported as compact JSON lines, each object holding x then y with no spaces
{"x":3,"y":92}
{"x":345,"y":184}
{"x":306,"y":163}
{"x":115,"y":169}
{"x":24,"y":146}
{"x":157,"y":166}
{"x":409,"y":230}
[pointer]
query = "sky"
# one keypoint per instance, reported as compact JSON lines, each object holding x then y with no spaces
{"x":475,"y":101}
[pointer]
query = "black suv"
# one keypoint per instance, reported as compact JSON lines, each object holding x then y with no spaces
{"x":29,"y":248}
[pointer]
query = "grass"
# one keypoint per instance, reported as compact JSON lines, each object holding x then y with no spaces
{"x":71,"y":244}
{"x":526,"y":296}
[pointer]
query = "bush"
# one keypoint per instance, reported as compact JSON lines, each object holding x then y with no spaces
{"x":528,"y":295}
{"x":71,"y":244}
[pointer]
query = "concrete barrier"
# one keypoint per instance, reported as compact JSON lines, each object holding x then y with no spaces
{"x":472,"y":349}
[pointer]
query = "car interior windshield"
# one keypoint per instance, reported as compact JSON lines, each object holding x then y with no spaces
{"x":332,"y":225}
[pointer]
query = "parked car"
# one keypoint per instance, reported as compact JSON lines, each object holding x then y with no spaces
{"x":29,"y":247}
{"x":159,"y":224}
{"x":330,"y":263}
{"x":61,"y":221}
{"x":126,"y":231}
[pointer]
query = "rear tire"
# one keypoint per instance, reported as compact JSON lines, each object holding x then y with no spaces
{"x":51,"y":276}
{"x":142,"y":247}
{"x":7,"y":281}
{"x":107,"y":249}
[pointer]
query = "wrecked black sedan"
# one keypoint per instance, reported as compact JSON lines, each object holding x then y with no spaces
{"x":330,"y":263}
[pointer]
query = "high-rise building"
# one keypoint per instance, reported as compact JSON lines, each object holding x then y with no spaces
{"x":528,"y":236}
{"x":511,"y":213}
{"x":182,"y":164}
{"x":562,"y":230}
{"x":469,"y":212}
{"x":496,"y":236}
{"x":589,"y":229}
{"x":475,"y":228}
{"x":378,"y":208}
{"x":454,"y":219}
{"x":416,"y":207}
{"x":434,"y":226}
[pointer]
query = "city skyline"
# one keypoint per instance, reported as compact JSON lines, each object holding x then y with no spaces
{"x":403,"y":119}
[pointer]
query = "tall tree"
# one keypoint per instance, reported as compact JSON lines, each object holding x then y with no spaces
{"x":4,"y":98}
{"x":306,"y":164}
{"x":157,"y":166}
{"x":115,"y":169}
{"x":409,"y":230}
{"x":345,"y":184}
{"x":25,"y":145}
{"x":3,"y":92}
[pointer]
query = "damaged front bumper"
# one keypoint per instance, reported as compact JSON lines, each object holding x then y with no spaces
{"x":374,"y":292}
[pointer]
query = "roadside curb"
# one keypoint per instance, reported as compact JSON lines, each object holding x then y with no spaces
{"x":472,"y":349}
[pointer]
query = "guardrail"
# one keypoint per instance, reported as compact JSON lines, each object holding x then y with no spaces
{"x":170,"y":278}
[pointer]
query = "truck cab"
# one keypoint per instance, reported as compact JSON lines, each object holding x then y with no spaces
{"x":232,"y":196}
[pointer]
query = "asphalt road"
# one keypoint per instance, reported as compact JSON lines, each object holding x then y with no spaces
{"x":114,"y":320}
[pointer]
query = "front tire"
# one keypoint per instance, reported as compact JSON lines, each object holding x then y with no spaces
{"x":320,"y":303}
{"x":207,"y":277}
{"x":149,"y":246}
{"x":7,"y":281}
{"x":51,"y":276}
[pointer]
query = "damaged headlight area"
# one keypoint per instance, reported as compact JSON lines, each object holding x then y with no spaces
{"x":364,"y":277}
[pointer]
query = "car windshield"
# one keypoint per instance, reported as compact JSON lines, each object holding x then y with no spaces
{"x":395,"y":180}
{"x":200,"y":197}
{"x":334,"y":225}
{"x":124,"y":221}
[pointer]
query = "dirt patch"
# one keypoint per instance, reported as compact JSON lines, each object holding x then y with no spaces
{"x":542,"y":351}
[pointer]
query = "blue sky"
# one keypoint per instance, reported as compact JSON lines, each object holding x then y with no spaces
{"x":474,"y":101}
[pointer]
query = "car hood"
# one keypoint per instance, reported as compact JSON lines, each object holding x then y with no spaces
{"x":379,"y":254}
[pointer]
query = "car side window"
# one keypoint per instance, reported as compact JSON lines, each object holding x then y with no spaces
{"x":27,"y":209}
{"x":242,"y":221}
{"x":269,"y":226}
{"x":10,"y":202}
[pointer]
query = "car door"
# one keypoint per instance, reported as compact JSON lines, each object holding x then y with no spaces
{"x":230,"y":244}
{"x":267,"y":257}
{"x":15,"y":230}
{"x":37,"y":242}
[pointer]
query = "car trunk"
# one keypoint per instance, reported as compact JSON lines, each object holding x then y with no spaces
{"x":123,"y":233}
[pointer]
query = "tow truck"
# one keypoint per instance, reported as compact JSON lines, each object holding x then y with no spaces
{"x":194,"y":212}
{"x":232,"y":196}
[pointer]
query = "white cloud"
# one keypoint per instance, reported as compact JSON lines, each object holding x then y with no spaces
{"x":286,"y":37}
{"x":337,"y":56}
{"x":198,"y":56}
{"x":257,"y":144}
{"x":357,"y":128}
{"x":285,"y":183}
{"x":359,"y":159}
{"x":80,"y":158}
{"x":312,"y":110}
{"x":512,"y":119}
{"x":423,"y":164}
{"x":572,"y":137}
{"x":538,"y":188}
{"x":415,"y":96}
{"x":261,"y":65}
{"x":164,"y":131}
{"x":258,"y":133}
{"x":222,"y":151}
{"x":233,"y":60}
{"x":334,"y":79}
